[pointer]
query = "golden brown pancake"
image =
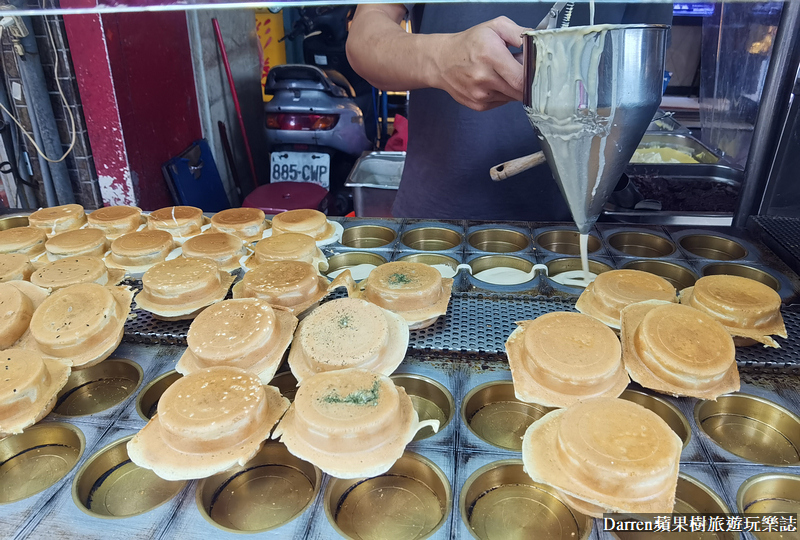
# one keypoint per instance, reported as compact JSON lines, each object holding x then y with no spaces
{"x":678,"y":350}
{"x":223,"y":248}
{"x":24,"y":240}
{"x":611,"y":291}
{"x":138,"y":251}
{"x":179,"y":221}
{"x":561,"y":358}
{"x":245,"y":333}
{"x":288,"y":247}
{"x":86,"y":242}
{"x":58,"y":219}
{"x":246,"y":223}
{"x":304,"y":221}
{"x":180,"y":288}
{"x":18,"y":301}
{"x":294,"y":285}
{"x":115,"y":221}
{"x":415,"y":291}
{"x":350,"y":423}
{"x":15,"y":266}
{"x":81,"y":324}
{"x":74,"y":270}
{"x":608,"y":454}
{"x":29,"y":386}
{"x":207,"y":422}
{"x":745,"y":307}
{"x":349,"y":333}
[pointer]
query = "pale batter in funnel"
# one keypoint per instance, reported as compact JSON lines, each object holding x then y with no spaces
{"x":590,"y":92}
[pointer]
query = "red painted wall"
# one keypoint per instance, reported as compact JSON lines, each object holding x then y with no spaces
{"x":151,"y":64}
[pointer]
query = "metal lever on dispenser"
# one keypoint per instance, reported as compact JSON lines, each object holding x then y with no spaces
{"x":516,"y":166}
{"x":551,"y":19}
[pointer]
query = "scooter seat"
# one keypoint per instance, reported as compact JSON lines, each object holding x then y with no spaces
{"x":302,"y":77}
{"x":282,"y":196}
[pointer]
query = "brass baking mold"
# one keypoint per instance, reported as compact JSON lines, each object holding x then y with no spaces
{"x":98,"y":388}
{"x":269,"y":491}
{"x":641,"y":244}
{"x":494,"y":414}
{"x":110,"y":485}
{"x":708,"y":246}
{"x":368,"y":236}
{"x":752,"y":428}
{"x":566,"y":242}
{"x":431,"y":239}
{"x":38,"y":458}
{"x":498,"y":240}
{"x":414,"y":497}
{"x":499,"y":500}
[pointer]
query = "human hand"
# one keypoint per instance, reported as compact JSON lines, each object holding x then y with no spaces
{"x":476,"y":68}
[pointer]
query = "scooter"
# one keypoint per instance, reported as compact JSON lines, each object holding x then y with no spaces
{"x":314,"y":129}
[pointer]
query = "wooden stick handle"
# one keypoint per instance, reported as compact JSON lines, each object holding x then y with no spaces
{"x":516,"y":166}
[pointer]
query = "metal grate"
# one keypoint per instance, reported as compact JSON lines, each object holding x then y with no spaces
{"x":787,"y":357}
{"x":785,"y":235}
{"x":479,"y":324}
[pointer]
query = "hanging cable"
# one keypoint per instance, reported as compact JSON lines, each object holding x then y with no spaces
{"x":63,"y":99}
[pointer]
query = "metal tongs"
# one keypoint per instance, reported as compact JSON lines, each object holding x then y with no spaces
{"x":551,"y":19}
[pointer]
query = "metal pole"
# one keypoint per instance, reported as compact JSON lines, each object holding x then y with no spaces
{"x":771,"y":113}
{"x":41,"y":114}
{"x":50,"y":197}
{"x":227,"y":65}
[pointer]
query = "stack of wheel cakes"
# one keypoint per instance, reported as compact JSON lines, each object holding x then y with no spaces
{"x":45,"y":336}
{"x":348,"y":417}
{"x":605,"y":454}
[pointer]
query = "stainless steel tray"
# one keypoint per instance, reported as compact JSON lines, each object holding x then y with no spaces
{"x":457,"y":451}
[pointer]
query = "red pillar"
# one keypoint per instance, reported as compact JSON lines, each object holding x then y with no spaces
{"x":87,"y":41}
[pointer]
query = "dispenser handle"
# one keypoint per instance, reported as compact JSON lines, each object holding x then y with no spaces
{"x":516,"y":166}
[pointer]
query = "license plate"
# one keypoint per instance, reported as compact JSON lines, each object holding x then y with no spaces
{"x":301,"y":167}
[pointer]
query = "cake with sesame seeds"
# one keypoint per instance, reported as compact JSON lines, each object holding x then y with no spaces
{"x":246,"y":333}
{"x":81,"y":324}
{"x":29,"y":386}
{"x":18,"y":301}
{"x":207,"y":422}
{"x":74,"y":270}
{"x":14,"y":267}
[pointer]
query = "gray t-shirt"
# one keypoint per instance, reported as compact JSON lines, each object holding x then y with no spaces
{"x":451,"y":147}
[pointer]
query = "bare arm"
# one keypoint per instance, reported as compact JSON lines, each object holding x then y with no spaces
{"x":474,"y":66}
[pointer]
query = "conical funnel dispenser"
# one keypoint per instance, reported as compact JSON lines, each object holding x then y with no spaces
{"x":590,"y":92}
